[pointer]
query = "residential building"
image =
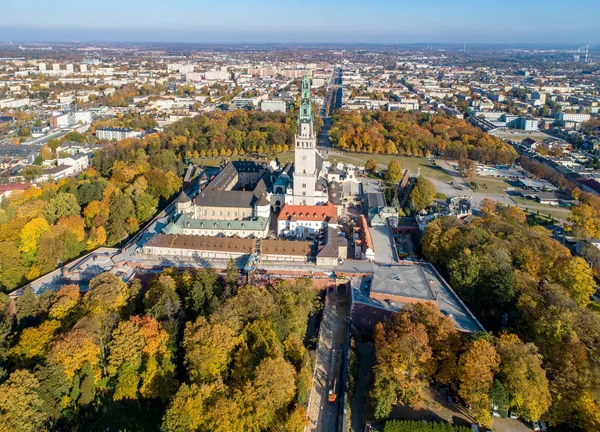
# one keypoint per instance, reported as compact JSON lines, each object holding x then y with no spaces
{"x":116,"y":133}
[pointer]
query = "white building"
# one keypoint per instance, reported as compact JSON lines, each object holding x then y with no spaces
{"x":577,"y":118}
{"x":273,"y":106}
{"x":116,"y":133}
{"x":14,"y":103}
{"x":78,"y":162}
{"x":302,"y":221}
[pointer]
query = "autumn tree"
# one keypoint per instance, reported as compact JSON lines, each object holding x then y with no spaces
{"x":477,"y":366}
{"x":523,"y":377}
{"x":140,"y":360}
{"x":394,"y":172}
{"x":22,"y":408}
{"x":371,"y":165}
{"x":208,"y":349}
{"x":422,"y":194}
{"x":12,"y":270}
{"x":402,"y":351}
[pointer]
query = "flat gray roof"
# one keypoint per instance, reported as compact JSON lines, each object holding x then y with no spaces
{"x":416,"y":280}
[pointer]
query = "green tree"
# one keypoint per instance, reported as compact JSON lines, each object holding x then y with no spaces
{"x":63,"y":204}
{"x":27,"y":307}
{"x":161,"y":300}
{"x":232,"y":277}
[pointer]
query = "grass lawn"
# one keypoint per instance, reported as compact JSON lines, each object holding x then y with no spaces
{"x":413,"y":164}
{"x":491,"y":185}
{"x":545,"y":209}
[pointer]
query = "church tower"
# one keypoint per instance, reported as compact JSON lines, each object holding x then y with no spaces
{"x":307,"y":159}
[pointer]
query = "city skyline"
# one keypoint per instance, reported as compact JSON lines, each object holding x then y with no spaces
{"x":235,"y":21}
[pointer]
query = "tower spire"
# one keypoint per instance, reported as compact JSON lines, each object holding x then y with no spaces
{"x":306,"y":115}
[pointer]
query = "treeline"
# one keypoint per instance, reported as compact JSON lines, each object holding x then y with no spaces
{"x":190,"y":351}
{"x":416,"y":134}
{"x":232,"y":133}
{"x":420,"y":344}
{"x":519,"y":280}
{"x":51,"y":223}
{"x":540,"y":170}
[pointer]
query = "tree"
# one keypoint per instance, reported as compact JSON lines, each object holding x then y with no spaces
{"x":208,"y":349}
{"x":140,"y":360}
{"x":523,"y":377}
{"x":402,"y":351}
{"x":575,"y":274}
{"x":394,"y":172}
{"x":499,"y":397}
{"x":53,"y":390}
{"x":106,"y":293}
{"x":33,"y":343}
{"x":371,"y":165}
{"x":65,"y":302}
{"x":477,"y":366}
{"x":87,"y":389}
{"x":232,"y":277}
{"x":62,"y":205}
{"x":189,"y":410}
{"x":274,"y":388}
{"x":200,"y":293}
{"x":12,"y":270}
{"x":422,"y":194}
{"x":161,"y":300}
{"x":297,"y":420}
{"x":22,"y":408}
{"x":76,"y":347}
{"x":467,"y":167}
{"x":30,"y":237}
{"x":27,"y":307}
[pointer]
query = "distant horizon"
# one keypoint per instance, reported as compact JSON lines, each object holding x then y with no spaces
{"x":312,"y":21}
{"x":240,"y":42}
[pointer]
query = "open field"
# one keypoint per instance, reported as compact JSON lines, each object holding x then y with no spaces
{"x":359,"y":159}
{"x":487,"y":184}
{"x":534,"y":206}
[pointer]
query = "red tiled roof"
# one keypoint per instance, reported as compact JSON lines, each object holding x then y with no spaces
{"x":13,"y":187}
{"x":365,"y":234}
{"x":308,"y":213}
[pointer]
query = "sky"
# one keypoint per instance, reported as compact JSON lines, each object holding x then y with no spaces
{"x":307,"y":21}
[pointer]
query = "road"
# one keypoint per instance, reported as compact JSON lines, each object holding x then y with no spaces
{"x":322,"y":415}
{"x":333,"y":101}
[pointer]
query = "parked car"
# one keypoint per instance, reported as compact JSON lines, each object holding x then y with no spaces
{"x":513,"y":415}
{"x":536,"y":427}
{"x":495,"y":411}
{"x":543,"y":427}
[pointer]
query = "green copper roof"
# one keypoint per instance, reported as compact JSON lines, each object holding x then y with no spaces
{"x":185,"y":221}
{"x":306,"y":114}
